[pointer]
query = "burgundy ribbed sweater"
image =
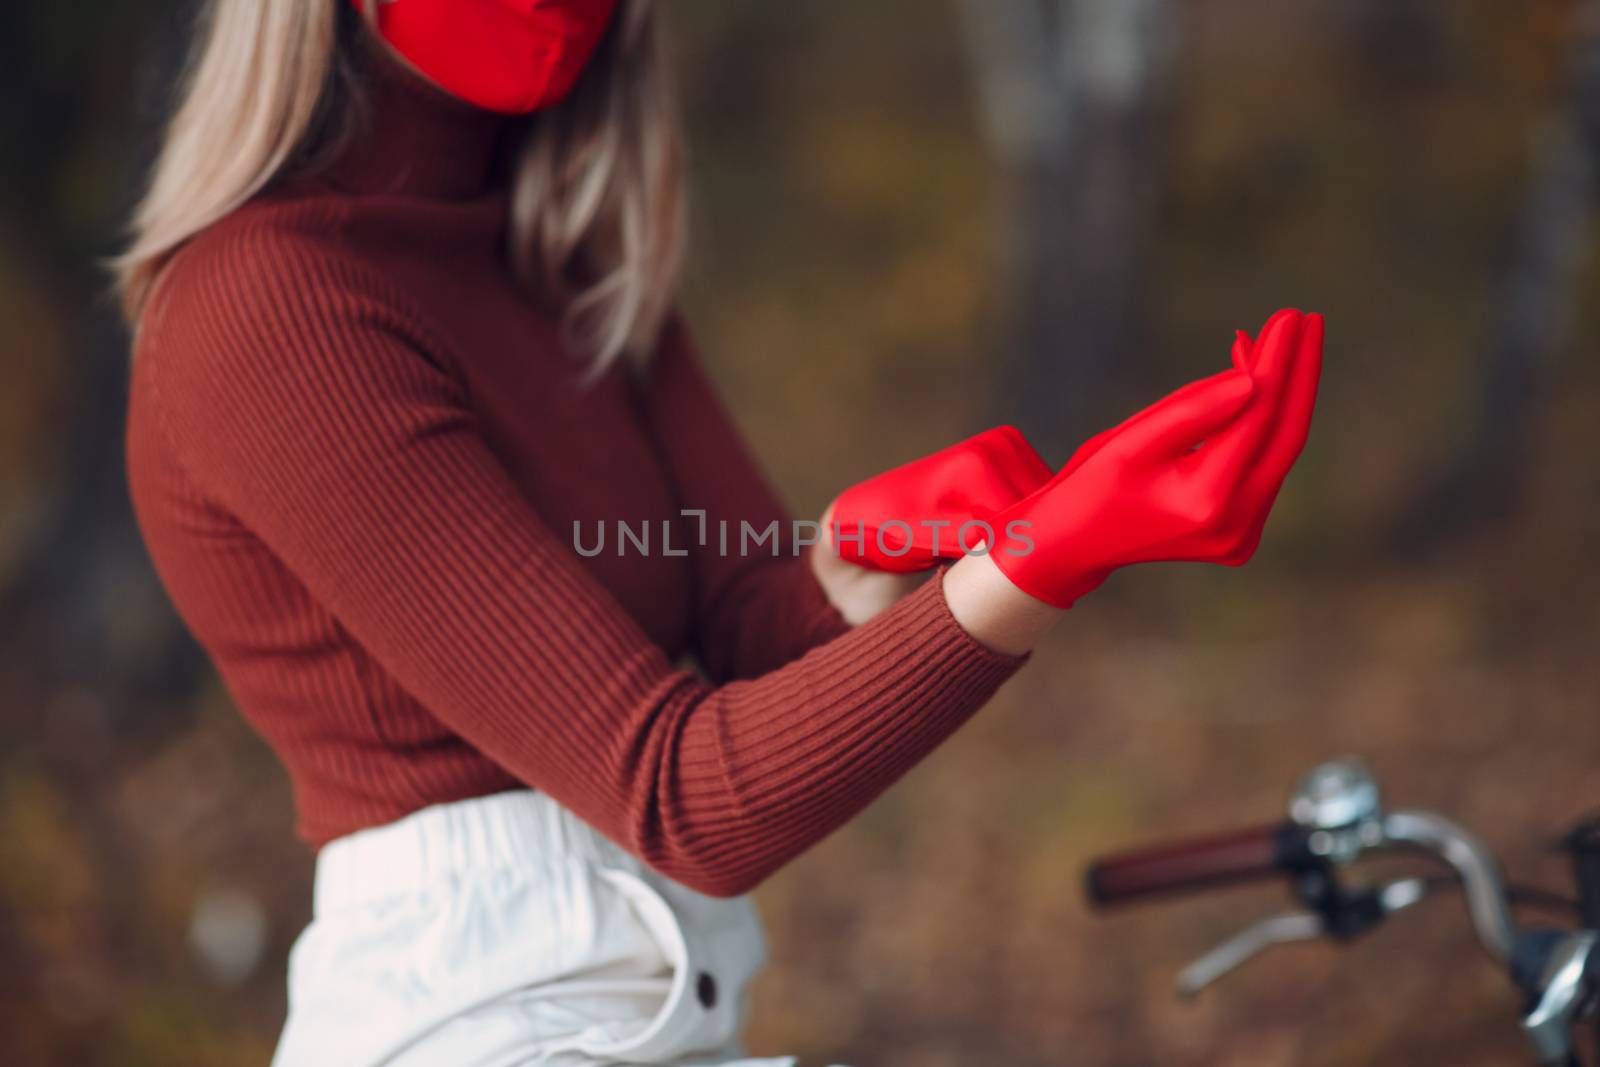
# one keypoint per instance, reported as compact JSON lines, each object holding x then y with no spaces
{"x":357,"y":451}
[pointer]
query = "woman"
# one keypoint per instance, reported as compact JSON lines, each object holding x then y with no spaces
{"x":402,"y":293}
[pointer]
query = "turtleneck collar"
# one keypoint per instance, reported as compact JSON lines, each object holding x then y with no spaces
{"x":413,"y":138}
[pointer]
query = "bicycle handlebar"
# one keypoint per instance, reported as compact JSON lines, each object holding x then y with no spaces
{"x":1487,"y":902}
{"x":1260,"y":852}
{"x":1335,"y":819}
{"x":1196,"y":863}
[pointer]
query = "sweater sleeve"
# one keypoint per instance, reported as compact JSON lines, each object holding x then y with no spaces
{"x":328,"y":422}
{"x":757,"y":603}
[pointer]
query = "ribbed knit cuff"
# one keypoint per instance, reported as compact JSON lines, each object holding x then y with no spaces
{"x":920,"y":626}
{"x":1003,"y":661}
{"x":922,"y":670}
{"x":895,"y":686}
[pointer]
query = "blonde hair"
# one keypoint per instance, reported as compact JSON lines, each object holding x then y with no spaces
{"x":596,"y":203}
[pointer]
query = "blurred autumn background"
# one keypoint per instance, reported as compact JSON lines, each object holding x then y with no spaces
{"x":914,"y":220}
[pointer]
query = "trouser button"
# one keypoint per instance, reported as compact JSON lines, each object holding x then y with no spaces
{"x":705,"y":988}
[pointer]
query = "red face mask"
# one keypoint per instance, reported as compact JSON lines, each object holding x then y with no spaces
{"x":510,"y":56}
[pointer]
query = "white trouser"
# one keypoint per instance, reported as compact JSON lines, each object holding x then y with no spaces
{"x":504,"y":931}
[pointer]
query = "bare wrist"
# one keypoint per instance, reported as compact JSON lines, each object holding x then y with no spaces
{"x":994,"y":611}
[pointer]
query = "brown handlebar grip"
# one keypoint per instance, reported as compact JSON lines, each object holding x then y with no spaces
{"x":1196,"y":863}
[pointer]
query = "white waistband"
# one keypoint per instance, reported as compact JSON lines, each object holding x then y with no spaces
{"x":512,"y":829}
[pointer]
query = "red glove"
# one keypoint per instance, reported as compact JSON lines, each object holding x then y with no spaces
{"x":1193,"y":477}
{"x":909,"y":518}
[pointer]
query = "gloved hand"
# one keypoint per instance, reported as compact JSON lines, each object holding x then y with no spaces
{"x":1193,"y":477}
{"x":909,"y":518}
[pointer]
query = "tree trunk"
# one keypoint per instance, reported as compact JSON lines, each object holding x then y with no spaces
{"x":1483,"y":480}
{"x":1072,"y":92}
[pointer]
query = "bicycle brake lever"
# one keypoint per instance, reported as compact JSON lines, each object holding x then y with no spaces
{"x":1284,"y":929}
{"x":1245,"y":945}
